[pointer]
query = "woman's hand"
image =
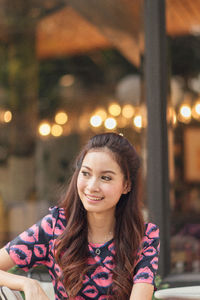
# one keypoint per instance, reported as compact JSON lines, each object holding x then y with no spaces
{"x":29,"y":286}
{"x":33,"y":290}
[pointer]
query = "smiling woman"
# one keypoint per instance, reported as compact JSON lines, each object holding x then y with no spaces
{"x":101,"y":183}
{"x":95,"y":244}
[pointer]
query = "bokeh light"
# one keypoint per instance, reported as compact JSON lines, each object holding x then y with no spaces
{"x":96,"y":121}
{"x":114,"y":109}
{"x":67,"y":80}
{"x":137,"y":121}
{"x":185,"y":113}
{"x":61,"y":118}
{"x":110,"y":123}
{"x":7,"y":116}
{"x":128,"y":111}
{"x":56,"y":130}
{"x":44,"y":129}
{"x":196,"y":110}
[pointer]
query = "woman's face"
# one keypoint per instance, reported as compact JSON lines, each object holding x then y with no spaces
{"x":100,"y":182}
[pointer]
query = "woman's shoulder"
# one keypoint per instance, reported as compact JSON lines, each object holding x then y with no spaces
{"x":151,"y":242}
{"x":55,"y":220}
{"x":57,"y":212}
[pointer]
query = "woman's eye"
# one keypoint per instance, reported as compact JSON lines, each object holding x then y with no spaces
{"x":85,"y":173}
{"x":106,"y":178}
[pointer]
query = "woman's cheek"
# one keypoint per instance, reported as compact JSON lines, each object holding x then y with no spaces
{"x":81,"y":182}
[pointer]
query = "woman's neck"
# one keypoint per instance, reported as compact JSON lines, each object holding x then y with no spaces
{"x":100,"y":228}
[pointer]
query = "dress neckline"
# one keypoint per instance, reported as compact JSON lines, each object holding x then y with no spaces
{"x":100,"y":245}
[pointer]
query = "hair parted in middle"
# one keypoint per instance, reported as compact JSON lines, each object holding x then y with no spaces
{"x":72,"y":245}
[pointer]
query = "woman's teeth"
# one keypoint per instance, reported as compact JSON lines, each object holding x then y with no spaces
{"x":94,"y":198}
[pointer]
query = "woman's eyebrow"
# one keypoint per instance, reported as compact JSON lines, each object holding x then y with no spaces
{"x":103,"y":172}
{"x":108,"y":171}
{"x":86,"y":167}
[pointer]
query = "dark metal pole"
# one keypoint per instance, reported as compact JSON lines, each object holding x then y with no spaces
{"x":157,"y":142}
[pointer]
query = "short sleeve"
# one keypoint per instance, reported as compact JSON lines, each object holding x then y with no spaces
{"x":147,"y":259}
{"x":31,"y":247}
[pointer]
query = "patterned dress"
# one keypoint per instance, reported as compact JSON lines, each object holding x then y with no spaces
{"x":35,"y":246}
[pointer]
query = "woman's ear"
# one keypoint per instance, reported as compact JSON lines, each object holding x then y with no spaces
{"x":127,"y":187}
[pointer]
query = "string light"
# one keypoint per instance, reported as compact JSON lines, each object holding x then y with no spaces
{"x":114,"y":109}
{"x":124,"y":114}
{"x":44,"y":129}
{"x":7,"y":116}
{"x":185,"y":113}
{"x":196,"y":110}
{"x":96,"y":121}
{"x":61,"y":118}
{"x":128,"y":111}
{"x":137,"y":121}
{"x":67,"y":80}
{"x":56,"y":130}
{"x":110,"y":123}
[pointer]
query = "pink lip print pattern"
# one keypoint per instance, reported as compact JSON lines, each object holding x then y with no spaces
{"x":30,"y":236}
{"x":90,"y":292}
{"x":21,"y":255}
{"x":35,"y":247}
{"x":102,"y":276}
{"x":108,"y":262}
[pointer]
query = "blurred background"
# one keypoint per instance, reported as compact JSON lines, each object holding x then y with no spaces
{"x":71,"y":69}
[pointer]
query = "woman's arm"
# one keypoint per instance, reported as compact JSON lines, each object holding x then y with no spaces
{"x":30,"y":286}
{"x":142,"y":291}
{"x":146,"y":265}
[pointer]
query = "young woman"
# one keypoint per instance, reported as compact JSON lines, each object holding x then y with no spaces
{"x":95,"y":244}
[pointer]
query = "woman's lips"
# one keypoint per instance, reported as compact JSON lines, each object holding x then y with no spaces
{"x":93,"y":198}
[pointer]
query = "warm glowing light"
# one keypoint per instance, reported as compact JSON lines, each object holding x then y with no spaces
{"x":96,"y":121}
{"x":67,"y":80}
{"x":7,"y":116}
{"x":114,"y":109}
{"x":196,"y":110}
{"x":174,"y":119}
{"x":101,"y":113}
{"x":110,"y":123}
{"x":171,"y":116}
{"x":56,"y":130}
{"x":61,"y":118}
{"x":185,"y":111}
{"x":44,"y":129}
{"x":137,"y":121}
{"x":128,"y":111}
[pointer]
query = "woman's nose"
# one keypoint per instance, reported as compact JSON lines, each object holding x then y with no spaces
{"x":93,"y":184}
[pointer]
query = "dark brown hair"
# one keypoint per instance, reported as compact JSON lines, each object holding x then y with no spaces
{"x":72,"y":245}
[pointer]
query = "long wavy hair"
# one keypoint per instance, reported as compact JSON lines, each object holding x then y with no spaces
{"x":72,"y":245}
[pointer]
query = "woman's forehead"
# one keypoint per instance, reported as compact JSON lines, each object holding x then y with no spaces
{"x":100,"y":155}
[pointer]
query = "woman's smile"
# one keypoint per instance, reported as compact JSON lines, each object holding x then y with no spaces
{"x":93,"y":198}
